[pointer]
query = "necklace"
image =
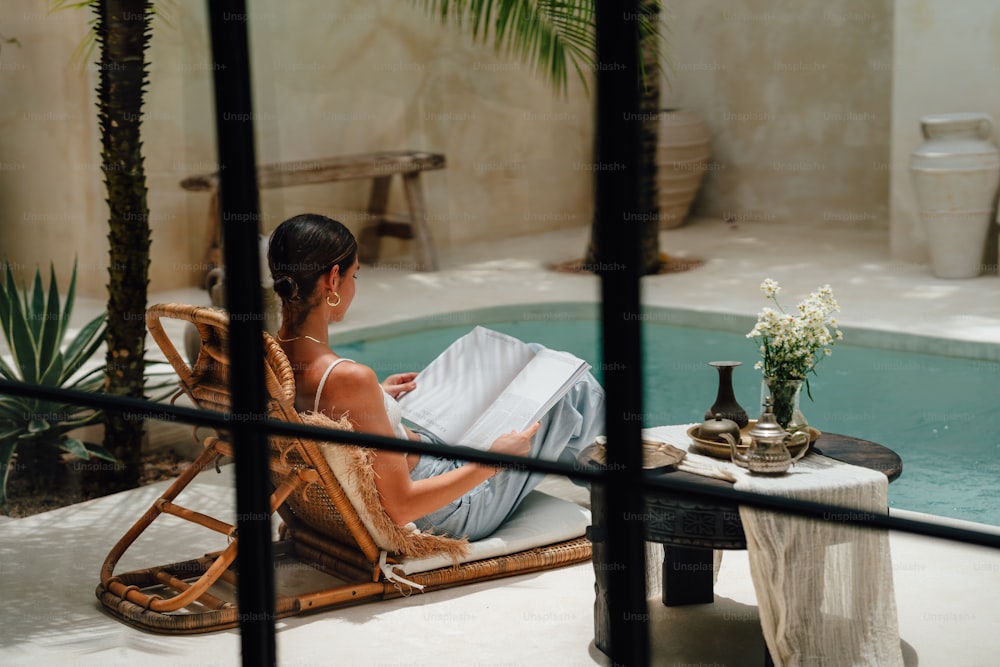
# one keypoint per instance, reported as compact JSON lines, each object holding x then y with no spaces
{"x":289,"y":340}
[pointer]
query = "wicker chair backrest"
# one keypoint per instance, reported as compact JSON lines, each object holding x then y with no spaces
{"x":321,"y":505}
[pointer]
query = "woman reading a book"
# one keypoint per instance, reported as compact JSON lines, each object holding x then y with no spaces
{"x":313,"y":261}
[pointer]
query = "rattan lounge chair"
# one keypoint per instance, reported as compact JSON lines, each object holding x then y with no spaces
{"x":324,"y":496}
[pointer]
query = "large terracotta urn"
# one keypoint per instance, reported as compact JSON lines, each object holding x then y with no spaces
{"x":956,"y":172}
{"x":682,"y":154}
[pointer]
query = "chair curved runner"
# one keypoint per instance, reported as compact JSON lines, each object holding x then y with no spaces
{"x":322,"y":527}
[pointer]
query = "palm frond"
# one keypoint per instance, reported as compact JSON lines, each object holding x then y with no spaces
{"x":548,"y":35}
{"x":83,"y":53}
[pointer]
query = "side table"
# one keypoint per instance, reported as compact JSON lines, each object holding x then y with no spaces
{"x":690,"y":528}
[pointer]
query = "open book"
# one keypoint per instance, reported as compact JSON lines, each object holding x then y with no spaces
{"x":486,"y":384}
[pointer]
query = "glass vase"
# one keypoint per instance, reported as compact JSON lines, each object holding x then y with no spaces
{"x":786,"y":395}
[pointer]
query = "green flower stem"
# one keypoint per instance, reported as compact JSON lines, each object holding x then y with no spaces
{"x":784,"y":394}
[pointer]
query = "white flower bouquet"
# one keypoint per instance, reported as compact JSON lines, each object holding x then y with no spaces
{"x":791,"y":345}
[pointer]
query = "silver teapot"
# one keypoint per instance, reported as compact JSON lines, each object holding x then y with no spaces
{"x":768,"y":451}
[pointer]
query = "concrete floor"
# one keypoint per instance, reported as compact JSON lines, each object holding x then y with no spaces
{"x":946,"y":593}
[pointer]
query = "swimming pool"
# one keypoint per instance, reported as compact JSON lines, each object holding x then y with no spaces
{"x":938,"y":412}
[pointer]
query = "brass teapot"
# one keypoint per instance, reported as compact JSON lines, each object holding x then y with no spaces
{"x":768,"y":451}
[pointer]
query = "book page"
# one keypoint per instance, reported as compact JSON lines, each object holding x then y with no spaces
{"x":459,"y":385}
{"x":544,"y":380}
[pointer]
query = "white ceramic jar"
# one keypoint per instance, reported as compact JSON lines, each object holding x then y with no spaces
{"x":956,"y":172}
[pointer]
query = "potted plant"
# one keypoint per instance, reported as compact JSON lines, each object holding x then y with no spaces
{"x":34,"y":434}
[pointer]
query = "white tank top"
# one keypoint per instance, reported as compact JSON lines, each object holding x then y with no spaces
{"x":392,"y":408}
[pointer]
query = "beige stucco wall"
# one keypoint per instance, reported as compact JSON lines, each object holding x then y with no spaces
{"x":330,"y":78}
{"x":946,"y":58}
{"x":813,"y":110}
{"x":49,"y":150}
{"x":797,"y":101}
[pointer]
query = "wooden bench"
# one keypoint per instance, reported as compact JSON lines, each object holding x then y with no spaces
{"x":379,"y":167}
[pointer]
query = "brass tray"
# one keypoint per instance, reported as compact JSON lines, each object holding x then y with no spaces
{"x":721,"y":450}
{"x":657,"y":455}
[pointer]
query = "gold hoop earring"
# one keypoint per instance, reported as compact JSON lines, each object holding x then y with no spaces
{"x":333,"y":304}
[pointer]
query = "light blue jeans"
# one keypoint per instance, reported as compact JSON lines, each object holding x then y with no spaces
{"x":565,"y":431}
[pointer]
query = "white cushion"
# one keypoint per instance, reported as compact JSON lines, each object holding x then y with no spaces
{"x":540,"y":520}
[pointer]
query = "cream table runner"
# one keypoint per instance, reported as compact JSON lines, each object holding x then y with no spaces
{"x":824,"y":588}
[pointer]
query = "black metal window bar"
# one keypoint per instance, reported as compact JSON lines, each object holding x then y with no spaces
{"x":617,"y":143}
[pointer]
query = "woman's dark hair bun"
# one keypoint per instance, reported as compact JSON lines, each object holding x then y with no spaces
{"x":285,"y":287}
{"x":300,"y":251}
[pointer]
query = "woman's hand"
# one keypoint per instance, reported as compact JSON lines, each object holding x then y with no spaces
{"x":515,"y":443}
{"x":398,"y":384}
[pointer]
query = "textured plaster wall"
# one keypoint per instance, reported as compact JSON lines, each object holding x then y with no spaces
{"x":49,"y":148}
{"x":813,"y":110}
{"x":330,"y":77}
{"x":797,"y":98}
{"x":384,"y":75}
{"x":947,"y":58}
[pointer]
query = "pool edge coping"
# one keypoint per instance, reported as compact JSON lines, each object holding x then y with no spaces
{"x":854,"y":336}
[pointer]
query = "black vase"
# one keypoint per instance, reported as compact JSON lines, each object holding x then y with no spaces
{"x":725,"y":401}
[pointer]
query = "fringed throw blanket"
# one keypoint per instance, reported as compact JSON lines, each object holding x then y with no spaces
{"x":352,"y":467}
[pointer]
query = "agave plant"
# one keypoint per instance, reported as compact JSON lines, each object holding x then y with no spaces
{"x":35,"y":329}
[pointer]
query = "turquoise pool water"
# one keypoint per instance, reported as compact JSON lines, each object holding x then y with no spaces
{"x":937,"y":412}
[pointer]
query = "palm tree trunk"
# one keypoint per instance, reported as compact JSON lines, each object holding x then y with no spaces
{"x":649,"y":109}
{"x":123,"y":30}
{"x":648,"y":215}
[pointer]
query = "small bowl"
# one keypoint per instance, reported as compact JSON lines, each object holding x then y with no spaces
{"x":657,"y":456}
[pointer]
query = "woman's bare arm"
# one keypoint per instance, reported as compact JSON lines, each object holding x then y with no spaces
{"x":358,"y":394}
